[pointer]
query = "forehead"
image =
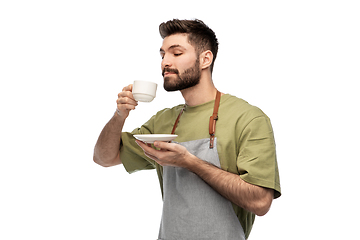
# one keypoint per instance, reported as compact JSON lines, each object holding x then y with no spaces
{"x":179,"y":40}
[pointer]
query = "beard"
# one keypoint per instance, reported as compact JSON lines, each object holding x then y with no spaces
{"x":189,"y":78}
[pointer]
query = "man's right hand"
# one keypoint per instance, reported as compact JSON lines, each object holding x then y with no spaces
{"x":126,"y":102}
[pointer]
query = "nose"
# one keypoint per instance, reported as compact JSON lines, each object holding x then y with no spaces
{"x":165,"y":63}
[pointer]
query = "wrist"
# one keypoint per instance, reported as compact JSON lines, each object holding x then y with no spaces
{"x":193,"y":163}
{"x":117,"y":112}
{"x":119,"y":116}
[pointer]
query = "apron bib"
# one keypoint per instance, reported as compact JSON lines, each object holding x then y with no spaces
{"x":192,"y":209}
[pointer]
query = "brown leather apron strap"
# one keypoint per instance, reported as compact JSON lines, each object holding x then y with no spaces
{"x":213,"y":119}
{"x":177,"y":120}
{"x":212,"y":122}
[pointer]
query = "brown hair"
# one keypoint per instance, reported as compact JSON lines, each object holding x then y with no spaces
{"x":199,"y":35}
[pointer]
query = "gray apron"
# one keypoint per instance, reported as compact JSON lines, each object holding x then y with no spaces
{"x":192,"y":209}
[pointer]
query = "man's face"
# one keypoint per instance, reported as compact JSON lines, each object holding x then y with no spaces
{"x":180,"y":64}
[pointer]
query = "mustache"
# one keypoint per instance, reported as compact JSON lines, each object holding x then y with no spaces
{"x":170,"y":70}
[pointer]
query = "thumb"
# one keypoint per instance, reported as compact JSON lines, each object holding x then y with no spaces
{"x":163,"y":145}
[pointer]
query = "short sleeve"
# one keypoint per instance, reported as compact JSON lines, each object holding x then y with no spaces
{"x":256,"y":162}
{"x":131,"y":155}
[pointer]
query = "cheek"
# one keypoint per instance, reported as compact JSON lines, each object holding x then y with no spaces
{"x":186,"y":64}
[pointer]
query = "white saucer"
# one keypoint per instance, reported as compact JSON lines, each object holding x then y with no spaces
{"x":150,"y":138}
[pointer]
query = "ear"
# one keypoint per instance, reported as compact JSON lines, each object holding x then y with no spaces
{"x":206,"y":59}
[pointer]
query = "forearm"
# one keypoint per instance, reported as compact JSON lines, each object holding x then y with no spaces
{"x":106,"y":151}
{"x":250,"y":197}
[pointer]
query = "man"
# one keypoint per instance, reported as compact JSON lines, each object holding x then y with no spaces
{"x":219,"y":173}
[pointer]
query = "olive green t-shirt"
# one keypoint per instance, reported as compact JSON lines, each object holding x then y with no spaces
{"x":245,"y":143}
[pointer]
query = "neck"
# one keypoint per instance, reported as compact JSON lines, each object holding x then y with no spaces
{"x":203,"y":92}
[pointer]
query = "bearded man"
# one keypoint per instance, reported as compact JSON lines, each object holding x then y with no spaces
{"x":220,"y":173}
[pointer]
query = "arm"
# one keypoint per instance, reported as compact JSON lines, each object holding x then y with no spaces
{"x":107,"y":148}
{"x":250,"y":197}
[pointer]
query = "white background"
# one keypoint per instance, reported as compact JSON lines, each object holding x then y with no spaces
{"x":62,"y":64}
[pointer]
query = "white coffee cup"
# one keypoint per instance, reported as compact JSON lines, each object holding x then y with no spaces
{"x":144,"y":91}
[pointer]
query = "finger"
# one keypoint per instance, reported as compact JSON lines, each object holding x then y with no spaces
{"x":125,"y":107}
{"x":151,"y":156}
{"x":126,"y":94}
{"x":163,"y":145}
{"x":144,"y":146}
{"x":128,"y":88}
{"x":148,"y":150}
{"x":126,"y":100}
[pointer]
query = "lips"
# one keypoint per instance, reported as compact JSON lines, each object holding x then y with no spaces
{"x":168,"y":71}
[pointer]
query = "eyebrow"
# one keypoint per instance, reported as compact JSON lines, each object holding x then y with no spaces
{"x":173,"y":46}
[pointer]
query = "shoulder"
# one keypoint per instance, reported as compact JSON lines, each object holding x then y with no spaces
{"x":239,"y":108}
